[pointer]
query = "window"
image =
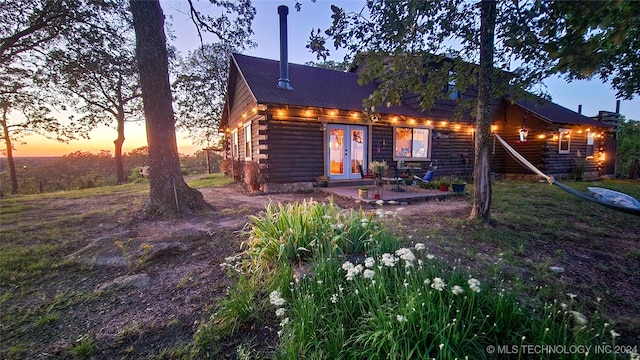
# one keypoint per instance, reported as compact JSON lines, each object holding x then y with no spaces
{"x":564,"y":141}
{"x":591,"y":137}
{"x":412,"y":143}
{"x":235,"y":149}
{"x":247,"y":141}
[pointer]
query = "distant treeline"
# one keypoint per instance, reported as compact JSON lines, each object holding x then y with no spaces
{"x":81,"y":170}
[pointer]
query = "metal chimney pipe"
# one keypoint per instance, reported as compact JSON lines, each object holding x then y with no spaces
{"x":284,"y":81}
{"x":617,"y":106}
{"x":580,"y":109}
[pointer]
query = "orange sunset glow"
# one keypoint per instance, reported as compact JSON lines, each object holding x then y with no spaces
{"x":100,"y":139}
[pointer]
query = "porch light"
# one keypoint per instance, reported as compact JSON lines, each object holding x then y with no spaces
{"x":443,"y":123}
{"x":412,"y":121}
{"x":602,"y":156}
{"x":457,"y":127}
{"x":428,"y":122}
{"x":394,"y":119}
{"x":494,"y":128}
{"x":542,"y":136}
{"x":524,"y":132}
{"x":333,"y":112}
{"x":308,"y":113}
{"x":280,"y":112}
{"x":354,"y":115}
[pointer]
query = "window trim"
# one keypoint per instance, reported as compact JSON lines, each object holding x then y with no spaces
{"x":561,"y":132}
{"x":412,"y":158}
{"x":590,"y":136}
{"x":248,"y":146}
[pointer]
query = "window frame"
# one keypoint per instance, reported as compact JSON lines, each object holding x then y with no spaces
{"x":248,"y":146}
{"x":590,"y":147}
{"x":561,"y":132}
{"x":412,"y":158}
{"x":235,"y":147}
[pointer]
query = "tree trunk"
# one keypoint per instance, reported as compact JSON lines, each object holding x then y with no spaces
{"x":120,"y":175}
{"x":169,"y":194}
{"x":482,"y":164}
{"x":9,"y":147}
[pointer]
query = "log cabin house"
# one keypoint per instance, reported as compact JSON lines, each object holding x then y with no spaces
{"x":300,"y":122}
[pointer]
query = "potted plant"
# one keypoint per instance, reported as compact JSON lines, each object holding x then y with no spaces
{"x":378,"y":167}
{"x":443,"y":184}
{"x":363,"y":192}
{"x":322,"y":181}
{"x":457,"y":185}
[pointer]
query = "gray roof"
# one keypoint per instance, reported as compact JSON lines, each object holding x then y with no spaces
{"x":312,"y":86}
{"x":555,"y":113}
{"x":331,"y":89}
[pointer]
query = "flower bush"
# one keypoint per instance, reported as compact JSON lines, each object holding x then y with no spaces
{"x":387,"y":301}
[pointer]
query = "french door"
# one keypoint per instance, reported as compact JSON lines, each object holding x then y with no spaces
{"x":346,"y":151}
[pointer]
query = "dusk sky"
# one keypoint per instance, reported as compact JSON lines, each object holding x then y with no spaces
{"x":592,"y":95}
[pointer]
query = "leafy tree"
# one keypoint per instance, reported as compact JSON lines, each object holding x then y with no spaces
{"x":98,"y":74}
{"x":628,"y":151}
{"x":31,"y":29}
{"x":405,"y":43}
{"x":200,"y":88}
{"x":402,"y":41}
{"x":582,"y":40}
{"x":330,"y":64}
{"x":169,"y":193}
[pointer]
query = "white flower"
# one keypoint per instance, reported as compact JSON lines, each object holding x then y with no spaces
{"x":457,"y":290}
{"x":427,"y":281}
{"x":275,"y":298}
{"x":438,"y":284}
{"x":572,"y":296}
{"x":369,"y":274}
{"x":334,"y":298}
{"x":430,"y":257}
{"x":579,"y":317}
{"x":347,"y":266}
{"x":614,"y":334}
{"x":420,"y":246}
{"x":389,"y":260}
{"x":284,"y":322}
{"x":406,"y":255}
{"x":369,"y":262}
{"x":280,"y":312}
{"x":474,"y":285}
{"x":401,"y":318}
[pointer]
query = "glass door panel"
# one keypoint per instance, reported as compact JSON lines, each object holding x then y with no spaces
{"x":336,"y":151}
{"x":357,"y":151}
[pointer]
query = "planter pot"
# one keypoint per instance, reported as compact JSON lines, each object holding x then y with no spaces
{"x":376,"y":196}
{"x":363,"y":194}
{"x":458,"y":188}
{"x":444,"y":187}
{"x":323,"y":184}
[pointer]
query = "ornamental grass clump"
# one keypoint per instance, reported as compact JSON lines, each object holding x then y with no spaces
{"x":299,"y":231}
{"x":403,"y":305}
{"x":390,"y":302}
